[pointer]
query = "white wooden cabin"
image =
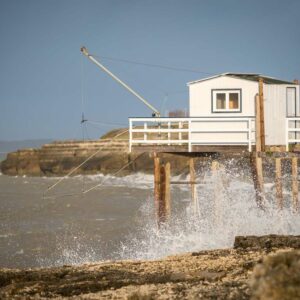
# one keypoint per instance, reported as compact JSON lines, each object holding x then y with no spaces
{"x":222,"y":112}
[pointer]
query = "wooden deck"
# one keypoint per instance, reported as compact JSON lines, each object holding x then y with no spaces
{"x":195,"y":149}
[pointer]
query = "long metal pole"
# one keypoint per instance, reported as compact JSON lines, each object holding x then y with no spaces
{"x":128,"y":88}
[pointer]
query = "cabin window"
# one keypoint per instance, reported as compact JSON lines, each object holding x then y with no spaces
{"x":226,"y":100}
{"x":221,"y":100}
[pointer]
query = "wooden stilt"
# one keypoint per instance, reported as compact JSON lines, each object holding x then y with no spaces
{"x":257,"y":125}
{"x":192,"y":180}
{"x":156,"y":186}
{"x":295,"y":184}
{"x":256,"y":161}
{"x":258,"y":179}
{"x":164,"y":201}
{"x":167,"y":190}
{"x":278,"y":183}
{"x":262,"y":114}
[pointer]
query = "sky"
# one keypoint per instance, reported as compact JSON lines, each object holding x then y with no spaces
{"x":46,"y":83}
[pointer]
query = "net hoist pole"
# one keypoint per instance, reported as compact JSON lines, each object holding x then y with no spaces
{"x":156,"y":113}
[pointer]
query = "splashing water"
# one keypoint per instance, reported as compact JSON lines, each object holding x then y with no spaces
{"x":118,"y":221}
{"x":226,"y":207}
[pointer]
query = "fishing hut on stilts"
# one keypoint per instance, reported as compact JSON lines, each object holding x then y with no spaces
{"x":250,"y":115}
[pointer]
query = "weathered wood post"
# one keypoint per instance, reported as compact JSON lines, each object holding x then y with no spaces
{"x":156,"y":186}
{"x":167,"y":190}
{"x":255,"y":159}
{"x":192,"y":181}
{"x":278,"y":183}
{"x":262,"y":114}
{"x":164,"y":200}
{"x":257,"y":124}
{"x":295,"y":184}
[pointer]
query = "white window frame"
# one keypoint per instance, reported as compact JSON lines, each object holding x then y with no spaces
{"x":226,"y":92}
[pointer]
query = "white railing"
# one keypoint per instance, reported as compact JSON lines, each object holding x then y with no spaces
{"x":192,"y":131}
{"x":294,"y":130}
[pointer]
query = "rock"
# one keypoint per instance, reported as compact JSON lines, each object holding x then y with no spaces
{"x":277,"y":277}
{"x":211,"y":274}
{"x":108,"y":157}
{"x":109,"y":154}
{"x":22,"y":162}
{"x":267,"y":242}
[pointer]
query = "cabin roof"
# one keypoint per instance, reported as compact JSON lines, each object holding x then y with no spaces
{"x":247,"y":76}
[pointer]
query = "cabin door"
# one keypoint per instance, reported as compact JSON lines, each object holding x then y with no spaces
{"x":291,"y":109}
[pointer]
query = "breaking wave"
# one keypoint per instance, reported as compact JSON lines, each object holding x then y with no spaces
{"x":225,"y":207}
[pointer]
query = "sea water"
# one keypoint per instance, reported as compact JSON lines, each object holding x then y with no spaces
{"x":117,"y":219}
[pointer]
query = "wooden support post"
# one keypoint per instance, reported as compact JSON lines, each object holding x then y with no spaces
{"x":262,"y":114}
{"x":257,"y":125}
{"x":167,"y":189}
{"x":180,"y":133}
{"x":278,"y":183}
{"x":192,"y":181}
{"x":295,"y":184}
{"x":258,"y":179}
{"x":156,"y":186}
{"x":164,"y":201}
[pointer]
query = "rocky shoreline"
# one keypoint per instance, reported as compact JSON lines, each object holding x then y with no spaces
{"x":266,"y":267}
{"x":109,"y":154}
{"x":106,"y":155}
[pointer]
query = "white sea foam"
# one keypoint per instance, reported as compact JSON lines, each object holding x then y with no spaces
{"x":224,"y":212}
{"x":145,"y":181}
{"x":71,"y":250}
{"x":226,"y":207}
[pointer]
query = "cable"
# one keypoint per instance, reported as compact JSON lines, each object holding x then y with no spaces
{"x":106,"y":123}
{"x":116,"y":173}
{"x":153,"y":65}
{"x":97,"y":185}
{"x":80,"y":165}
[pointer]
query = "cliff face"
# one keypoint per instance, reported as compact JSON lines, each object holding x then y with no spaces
{"x":22,"y":162}
{"x":256,"y":268}
{"x":59,"y":158}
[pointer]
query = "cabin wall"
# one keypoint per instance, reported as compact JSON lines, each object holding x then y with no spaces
{"x":275,"y":103}
{"x":200,"y":102}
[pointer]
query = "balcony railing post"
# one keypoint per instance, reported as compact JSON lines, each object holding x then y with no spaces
{"x":249,"y":135}
{"x":162,"y":132}
{"x":169,"y":133}
{"x":130,"y":135}
{"x":180,"y":134}
{"x":145,"y":132}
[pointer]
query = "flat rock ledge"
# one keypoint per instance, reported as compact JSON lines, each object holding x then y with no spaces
{"x":265,"y":267}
